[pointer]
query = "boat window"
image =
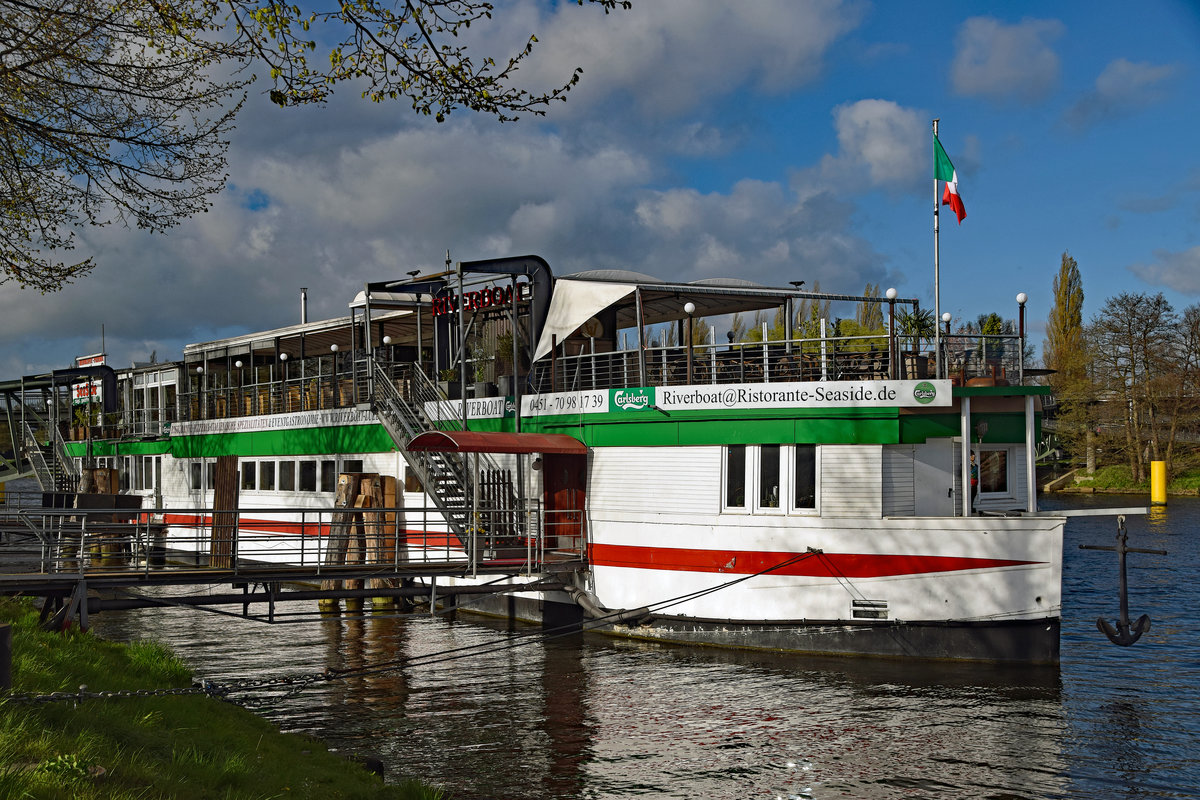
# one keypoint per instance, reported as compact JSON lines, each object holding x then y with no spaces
{"x":768,"y":476}
{"x":210,"y":468}
{"x":197,"y":476}
{"x":308,"y":476}
{"x":993,"y":472}
{"x":248,"y":474}
{"x":266,"y":476}
{"x":352,"y":465}
{"x":287,"y":476}
{"x":328,"y":476}
{"x":735,"y":476}
{"x":805,"y":476}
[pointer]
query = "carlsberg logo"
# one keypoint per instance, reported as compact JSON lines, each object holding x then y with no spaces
{"x":924,"y":392}
{"x":633,"y":399}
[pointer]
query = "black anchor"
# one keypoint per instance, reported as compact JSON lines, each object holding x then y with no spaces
{"x":1124,"y":633}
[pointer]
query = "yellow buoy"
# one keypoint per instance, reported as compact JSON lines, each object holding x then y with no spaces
{"x":1158,"y":482}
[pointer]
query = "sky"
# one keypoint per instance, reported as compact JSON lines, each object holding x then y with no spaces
{"x":772,"y":140}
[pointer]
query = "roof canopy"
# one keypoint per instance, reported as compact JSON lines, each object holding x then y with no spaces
{"x":577,"y":298}
{"x":494,"y":442}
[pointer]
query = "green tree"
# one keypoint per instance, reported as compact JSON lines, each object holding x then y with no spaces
{"x":869,"y":314}
{"x":1065,"y":352}
{"x":115,"y":112}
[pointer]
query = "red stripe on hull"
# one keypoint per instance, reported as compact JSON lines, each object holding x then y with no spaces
{"x":809,"y":565}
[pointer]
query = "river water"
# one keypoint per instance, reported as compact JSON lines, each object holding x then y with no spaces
{"x":595,"y":717}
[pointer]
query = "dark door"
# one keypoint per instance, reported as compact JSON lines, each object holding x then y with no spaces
{"x":564,"y":478}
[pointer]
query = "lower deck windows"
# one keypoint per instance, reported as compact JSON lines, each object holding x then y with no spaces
{"x":266,"y":476}
{"x":804,"y":477}
{"x":285,"y":475}
{"x":768,"y":475}
{"x":777,"y":478}
{"x":308,"y":476}
{"x":735,"y":476}
{"x":993,"y":472}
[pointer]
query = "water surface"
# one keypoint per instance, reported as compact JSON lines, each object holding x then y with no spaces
{"x":594,"y":717}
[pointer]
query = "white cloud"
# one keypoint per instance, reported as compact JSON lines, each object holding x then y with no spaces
{"x":881,"y":144}
{"x":1123,"y":88}
{"x":1003,"y":62}
{"x":1178,"y":271}
{"x":889,"y":140}
{"x":674,"y":55}
{"x":330,"y":198}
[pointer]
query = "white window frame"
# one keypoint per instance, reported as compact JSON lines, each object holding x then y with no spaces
{"x":785,"y":472}
{"x":1010,"y":477}
{"x":744,"y":508}
{"x":804,"y":511}
{"x":787,"y":501}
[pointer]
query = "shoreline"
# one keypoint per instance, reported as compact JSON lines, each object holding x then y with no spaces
{"x":120,"y":720}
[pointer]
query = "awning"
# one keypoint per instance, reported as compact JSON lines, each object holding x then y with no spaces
{"x":494,"y":442}
{"x":573,"y":303}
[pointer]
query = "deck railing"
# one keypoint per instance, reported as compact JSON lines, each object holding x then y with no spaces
{"x":348,"y":379}
{"x":83,"y":541}
{"x":995,"y":358}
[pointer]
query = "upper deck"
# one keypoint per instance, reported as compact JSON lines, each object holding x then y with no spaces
{"x":607,"y":330}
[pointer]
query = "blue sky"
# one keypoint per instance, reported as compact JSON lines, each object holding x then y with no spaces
{"x":774,"y":141}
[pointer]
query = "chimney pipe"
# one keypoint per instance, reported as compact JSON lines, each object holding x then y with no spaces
{"x":303,"y":304}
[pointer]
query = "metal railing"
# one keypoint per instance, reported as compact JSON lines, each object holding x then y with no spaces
{"x":455,"y":483}
{"x":822,"y":359}
{"x":92,"y":541}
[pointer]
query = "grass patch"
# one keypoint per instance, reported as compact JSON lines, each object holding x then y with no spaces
{"x":163,"y":746}
{"x":1119,"y":478}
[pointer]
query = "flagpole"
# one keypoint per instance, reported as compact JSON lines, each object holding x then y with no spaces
{"x":937,"y":292}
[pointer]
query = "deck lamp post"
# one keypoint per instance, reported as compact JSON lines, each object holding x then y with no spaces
{"x":283,"y":373}
{"x":689,"y":308}
{"x":1022,"y":299}
{"x":238,"y":365}
{"x":944,"y":372}
{"x":891,"y":297}
{"x":200,"y":392}
{"x":333,"y":348}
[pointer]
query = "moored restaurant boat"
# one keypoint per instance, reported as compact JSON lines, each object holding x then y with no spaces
{"x":795,"y":490}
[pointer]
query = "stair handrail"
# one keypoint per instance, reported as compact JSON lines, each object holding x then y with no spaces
{"x":426,"y":409}
{"x":33,"y":452}
{"x":402,"y":423}
{"x":71,"y":467}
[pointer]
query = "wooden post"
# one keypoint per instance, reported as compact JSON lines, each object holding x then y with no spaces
{"x":381,"y":546}
{"x":225,"y":504}
{"x":339,"y":532}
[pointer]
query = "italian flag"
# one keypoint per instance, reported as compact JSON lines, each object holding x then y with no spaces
{"x":943,"y":170}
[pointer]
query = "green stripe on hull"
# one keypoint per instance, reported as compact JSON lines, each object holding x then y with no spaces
{"x":841,"y":426}
{"x":291,"y":442}
{"x":647,"y":429}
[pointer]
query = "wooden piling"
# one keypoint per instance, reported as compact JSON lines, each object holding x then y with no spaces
{"x":225,"y":504}
{"x":338,"y":541}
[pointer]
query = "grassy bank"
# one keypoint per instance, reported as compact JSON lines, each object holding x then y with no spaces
{"x":163,"y":746}
{"x":1119,"y":478}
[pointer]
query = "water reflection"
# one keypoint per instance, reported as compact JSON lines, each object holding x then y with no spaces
{"x":591,"y":717}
